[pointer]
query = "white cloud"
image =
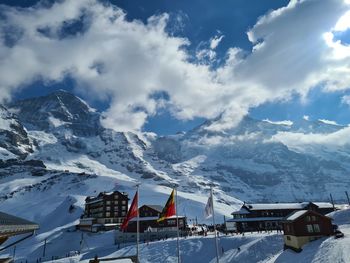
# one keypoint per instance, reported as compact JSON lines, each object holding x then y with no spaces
{"x":346,"y":100}
{"x":306,"y":117}
{"x":328,"y":122}
{"x":300,"y":140}
{"x":215,"y":41}
{"x":129,"y":62}
{"x":285,"y":122}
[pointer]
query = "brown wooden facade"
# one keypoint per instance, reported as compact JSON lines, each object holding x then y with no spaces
{"x":260,"y":217}
{"x":303,"y":226}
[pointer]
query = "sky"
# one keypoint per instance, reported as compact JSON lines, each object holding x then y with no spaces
{"x":166,"y":66}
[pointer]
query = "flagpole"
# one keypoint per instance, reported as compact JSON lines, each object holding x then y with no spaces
{"x":177,"y":226}
{"x":137,"y":225}
{"x":216,"y":238}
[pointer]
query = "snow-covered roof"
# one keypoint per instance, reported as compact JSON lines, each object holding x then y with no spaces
{"x":295,"y":215}
{"x":6,"y":219}
{"x":242,"y":211}
{"x":11,"y":225}
{"x":323,"y":204}
{"x":277,"y":206}
{"x":253,"y":219}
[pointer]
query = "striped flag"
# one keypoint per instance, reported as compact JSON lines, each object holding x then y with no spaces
{"x":169,"y":208}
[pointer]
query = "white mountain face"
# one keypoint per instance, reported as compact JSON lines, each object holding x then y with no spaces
{"x":264,"y":161}
{"x":54,"y":153}
{"x":255,"y":161}
{"x":14,"y":141}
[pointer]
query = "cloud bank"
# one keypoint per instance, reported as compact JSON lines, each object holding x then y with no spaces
{"x":140,"y":67}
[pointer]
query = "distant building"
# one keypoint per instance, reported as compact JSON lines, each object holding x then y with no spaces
{"x":304,"y":226}
{"x":149,"y":214}
{"x":104,"y":212}
{"x":258,"y":217}
{"x":11,"y":226}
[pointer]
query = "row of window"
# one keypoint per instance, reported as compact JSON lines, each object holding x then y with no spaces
{"x":116,"y":202}
{"x":116,"y":208}
{"x":314,"y":228}
{"x":269,"y":213}
{"x":108,"y":214}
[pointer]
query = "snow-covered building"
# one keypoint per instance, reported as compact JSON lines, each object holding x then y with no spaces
{"x":11,"y":225}
{"x":304,"y":226}
{"x":257,"y":217}
{"x":105,"y":211}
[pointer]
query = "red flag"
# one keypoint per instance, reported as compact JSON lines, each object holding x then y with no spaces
{"x":169,"y":208}
{"x":133,"y":211}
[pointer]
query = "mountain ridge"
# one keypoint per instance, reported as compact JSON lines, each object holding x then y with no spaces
{"x":246,"y":161}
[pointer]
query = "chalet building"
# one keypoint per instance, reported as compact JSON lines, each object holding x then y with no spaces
{"x":304,"y":226}
{"x":104,"y":212}
{"x":258,"y":217}
{"x":149,"y":215}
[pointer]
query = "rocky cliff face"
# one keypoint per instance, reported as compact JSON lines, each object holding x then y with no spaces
{"x":59,"y":110}
{"x":254,"y":161}
{"x":14,"y":139}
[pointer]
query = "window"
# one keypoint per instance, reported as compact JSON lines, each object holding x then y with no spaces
{"x":123,"y":202}
{"x":116,"y":202}
{"x":171,"y":222}
{"x":123,"y":213}
{"x":316,"y":228}
{"x":116,"y":197}
{"x":288,"y":237}
{"x":313,"y":218}
{"x":307,"y":218}
{"x":108,"y":202}
{"x":123,"y":207}
{"x":309,"y":228}
{"x":108,"y":214}
{"x":108,"y":208}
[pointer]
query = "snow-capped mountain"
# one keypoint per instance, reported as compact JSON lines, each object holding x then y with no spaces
{"x":256,"y":160}
{"x":262,"y":160}
{"x":57,"y":111}
{"x":55,"y":152}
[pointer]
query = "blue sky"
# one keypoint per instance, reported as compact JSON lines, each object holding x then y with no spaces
{"x":199,"y":22}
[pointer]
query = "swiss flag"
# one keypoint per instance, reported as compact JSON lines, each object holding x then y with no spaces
{"x":133,"y":211}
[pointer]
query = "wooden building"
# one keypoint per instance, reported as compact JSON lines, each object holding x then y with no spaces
{"x":259,"y":217}
{"x":105,"y":211}
{"x":304,"y":226}
{"x":149,"y":214}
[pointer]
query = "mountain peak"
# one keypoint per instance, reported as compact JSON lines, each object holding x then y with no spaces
{"x":57,"y":109}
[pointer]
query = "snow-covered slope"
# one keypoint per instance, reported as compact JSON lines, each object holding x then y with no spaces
{"x":256,"y":161}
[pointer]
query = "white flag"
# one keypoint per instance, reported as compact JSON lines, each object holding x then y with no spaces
{"x":208,"y":212}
